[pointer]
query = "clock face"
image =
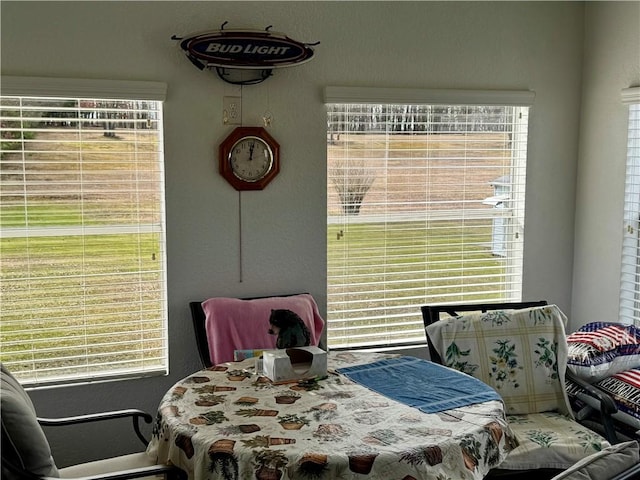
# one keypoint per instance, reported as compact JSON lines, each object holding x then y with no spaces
{"x":250,"y":159}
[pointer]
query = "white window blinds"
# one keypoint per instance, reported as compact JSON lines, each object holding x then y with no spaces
{"x":425,"y":206}
{"x":82,"y":237}
{"x":630,"y":270}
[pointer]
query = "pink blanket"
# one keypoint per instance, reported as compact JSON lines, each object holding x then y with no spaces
{"x":236,"y":324}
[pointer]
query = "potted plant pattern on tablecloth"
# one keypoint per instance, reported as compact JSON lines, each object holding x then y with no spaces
{"x":266,"y":441}
{"x":324,"y":411}
{"x":208,"y":418}
{"x":330,"y":432}
{"x":470,"y":451}
{"x":361,"y":459}
{"x":269,"y":464}
{"x":491,"y":452}
{"x":308,"y":385}
{"x":292,"y":421}
{"x":238,"y":429}
{"x":223,"y":460}
{"x":184,"y":443}
{"x":369,"y":417}
{"x":313,"y":465}
{"x":237,"y":375}
{"x":261,"y":383}
{"x":256,"y":412}
{"x":431,"y":455}
{"x":210,"y":400}
{"x":286,"y":398}
{"x":209,"y":389}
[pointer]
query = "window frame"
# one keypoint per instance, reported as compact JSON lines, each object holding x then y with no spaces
{"x":74,"y":88}
{"x":400,"y":96}
{"x":629,"y":309}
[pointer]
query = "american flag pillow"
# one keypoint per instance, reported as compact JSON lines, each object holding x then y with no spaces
{"x":601,"y":349}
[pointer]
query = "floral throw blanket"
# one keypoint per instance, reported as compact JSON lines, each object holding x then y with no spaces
{"x":522,"y":354}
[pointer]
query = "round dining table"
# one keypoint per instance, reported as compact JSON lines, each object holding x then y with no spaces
{"x":229,"y":422}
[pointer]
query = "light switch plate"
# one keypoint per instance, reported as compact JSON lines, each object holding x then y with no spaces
{"x":232,"y":111}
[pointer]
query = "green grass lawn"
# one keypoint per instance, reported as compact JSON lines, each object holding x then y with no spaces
{"x":420,"y":267}
{"x":73,"y":297}
{"x":96,"y":294}
{"x":387,"y":277}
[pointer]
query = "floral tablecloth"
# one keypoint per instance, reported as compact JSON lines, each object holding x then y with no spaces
{"x":228,"y":423}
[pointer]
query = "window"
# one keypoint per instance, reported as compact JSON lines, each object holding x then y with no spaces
{"x":82,"y":237}
{"x":630,"y":272}
{"x":425,"y":193}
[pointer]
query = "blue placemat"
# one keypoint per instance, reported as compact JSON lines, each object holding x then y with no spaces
{"x":422,"y":384}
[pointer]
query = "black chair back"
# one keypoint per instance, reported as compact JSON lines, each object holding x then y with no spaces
{"x":198,"y":318}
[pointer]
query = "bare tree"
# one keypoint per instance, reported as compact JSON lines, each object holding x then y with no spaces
{"x":352,"y":180}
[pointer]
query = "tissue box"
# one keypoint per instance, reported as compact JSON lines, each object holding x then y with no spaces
{"x":294,"y":363}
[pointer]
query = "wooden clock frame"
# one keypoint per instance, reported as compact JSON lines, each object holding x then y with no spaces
{"x":227,"y":145}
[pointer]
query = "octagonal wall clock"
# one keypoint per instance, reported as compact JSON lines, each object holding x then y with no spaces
{"x":249,"y":158}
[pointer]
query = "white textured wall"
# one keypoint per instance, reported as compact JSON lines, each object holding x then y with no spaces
{"x":612,"y":63}
{"x":483,"y":45}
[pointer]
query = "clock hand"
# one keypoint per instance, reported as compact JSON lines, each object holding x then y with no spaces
{"x":251,"y":146}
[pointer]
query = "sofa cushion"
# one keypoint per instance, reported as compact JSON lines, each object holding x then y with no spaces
{"x":550,"y":441}
{"x":27,"y":445}
{"x":603,"y":465}
{"x":110,"y":465}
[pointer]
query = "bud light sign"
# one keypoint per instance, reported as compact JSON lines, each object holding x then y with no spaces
{"x":245,"y":49}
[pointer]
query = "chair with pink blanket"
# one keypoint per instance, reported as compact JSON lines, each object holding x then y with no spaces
{"x":223,"y":325}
